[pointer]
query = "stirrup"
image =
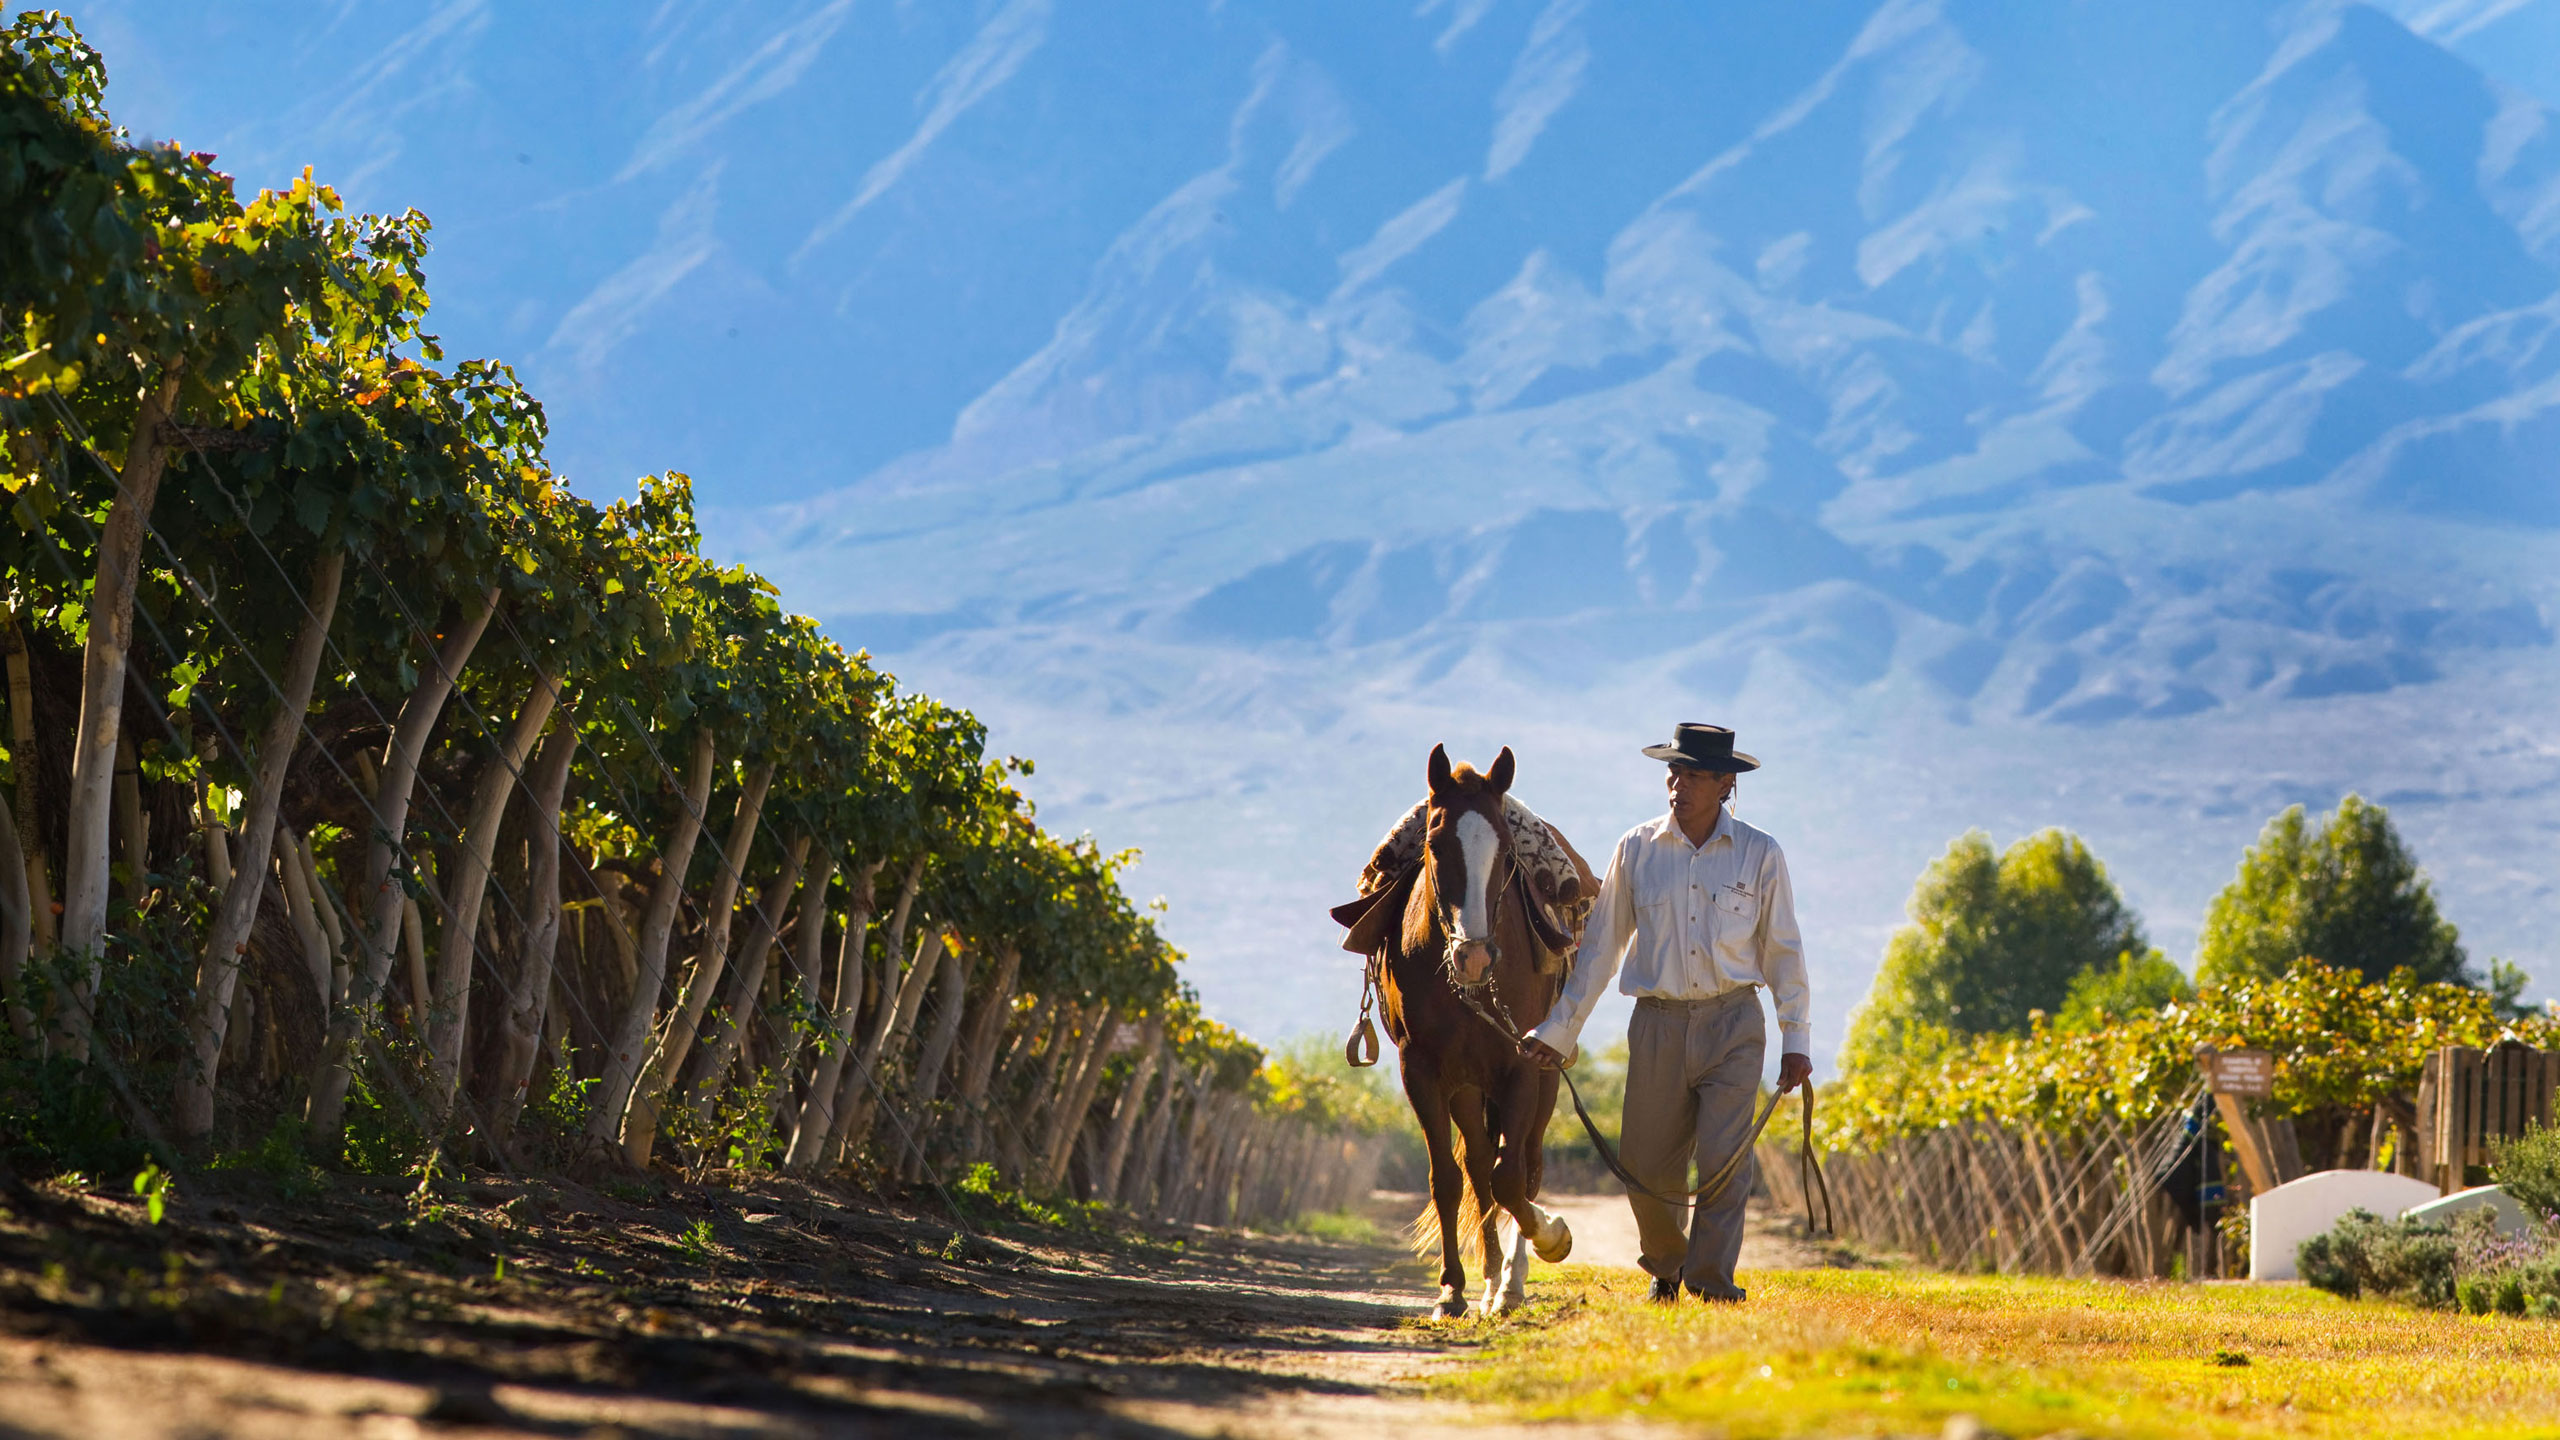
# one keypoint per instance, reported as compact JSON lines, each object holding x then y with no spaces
{"x":1361,"y":1050}
{"x":1364,"y":1036}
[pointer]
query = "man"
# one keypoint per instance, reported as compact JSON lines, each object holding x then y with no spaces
{"x":1704,"y":902}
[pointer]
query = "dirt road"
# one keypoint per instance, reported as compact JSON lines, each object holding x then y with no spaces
{"x":541,"y":1308}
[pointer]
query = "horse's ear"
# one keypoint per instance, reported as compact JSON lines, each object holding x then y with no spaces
{"x":1439,"y":772}
{"x":1500,"y":776}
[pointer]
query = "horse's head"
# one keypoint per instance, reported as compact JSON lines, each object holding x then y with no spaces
{"x":1465,"y":857}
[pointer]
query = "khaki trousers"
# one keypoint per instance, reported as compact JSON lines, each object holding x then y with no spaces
{"x":1693,"y":1075}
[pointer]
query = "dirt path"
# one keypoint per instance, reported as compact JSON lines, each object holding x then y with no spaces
{"x":776,"y":1310}
{"x":1604,"y":1233}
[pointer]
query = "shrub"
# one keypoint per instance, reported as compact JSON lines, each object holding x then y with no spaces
{"x":982,"y":1194}
{"x":2468,"y":1265}
{"x":2528,"y":1168}
{"x":389,"y":1129}
{"x":281,"y":1156}
{"x":551,"y":1128}
{"x":2233,"y":1227}
{"x":2404,"y":1260}
{"x":59,"y":1114}
{"x":2530,"y":1289}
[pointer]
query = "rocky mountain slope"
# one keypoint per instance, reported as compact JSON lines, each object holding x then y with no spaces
{"x":2135,"y":418}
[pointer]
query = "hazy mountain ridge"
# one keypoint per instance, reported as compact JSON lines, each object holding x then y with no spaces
{"x":2133,"y":418}
{"x":1883,"y":408}
{"x":1905,"y":393}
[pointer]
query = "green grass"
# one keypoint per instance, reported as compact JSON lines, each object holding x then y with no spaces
{"x":982,"y":1195}
{"x":1858,"y":1352}
{"x":1347,"y":1226}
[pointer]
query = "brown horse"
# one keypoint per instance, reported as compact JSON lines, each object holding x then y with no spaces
{"x":1464,"y":958}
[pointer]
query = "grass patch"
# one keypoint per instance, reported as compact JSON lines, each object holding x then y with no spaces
{"x":982,"y":1195}
{"x":1859,"y":1352}
{"x":281,"y":1158}
{"x":1347,"y":1226}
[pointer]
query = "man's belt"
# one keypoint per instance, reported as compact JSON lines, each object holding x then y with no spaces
{"x":1702,"y":1002}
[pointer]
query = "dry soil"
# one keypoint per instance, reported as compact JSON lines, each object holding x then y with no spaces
{"x":767,"y":1309}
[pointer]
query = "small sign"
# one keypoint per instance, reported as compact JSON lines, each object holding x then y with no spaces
{"x":2248,"y":1073}
{"x":2211,"y":1192}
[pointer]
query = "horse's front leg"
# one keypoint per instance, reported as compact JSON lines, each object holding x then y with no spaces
{"x":1520,"y":1134}
{"x":1431,"y":1108}
{"x":1477,"y":1134}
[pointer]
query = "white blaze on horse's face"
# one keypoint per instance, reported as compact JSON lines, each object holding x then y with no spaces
{"x":1471,"y":944}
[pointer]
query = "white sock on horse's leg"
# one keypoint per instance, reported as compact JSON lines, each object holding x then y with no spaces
{"x":1499,"y":1232}
{"x":1515,"y":1268}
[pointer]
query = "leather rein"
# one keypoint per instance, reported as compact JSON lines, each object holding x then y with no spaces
{"x":1475,"y":997}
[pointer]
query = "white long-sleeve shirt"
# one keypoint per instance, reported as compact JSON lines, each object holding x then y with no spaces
{"x":1691,"y":921}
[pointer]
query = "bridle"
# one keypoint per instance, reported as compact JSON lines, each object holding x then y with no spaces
{"x":1499,"y":883}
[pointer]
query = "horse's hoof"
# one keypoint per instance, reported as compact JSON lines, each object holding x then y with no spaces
{"x":1452,"y":1306}
{"x":1507,"y":1303}
{"x":1554,"y":1240}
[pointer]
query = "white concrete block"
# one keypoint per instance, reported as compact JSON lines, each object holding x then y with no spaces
{"x":2281,"y":1219}
{"x":2512,"y":1218}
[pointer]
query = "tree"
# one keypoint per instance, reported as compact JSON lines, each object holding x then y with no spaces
{"x":1992,"y":940}
{"x":2133,"y":985}
{"x":476,"y":441}
{"x":2350,"y":894}
{"x":137,"y":294}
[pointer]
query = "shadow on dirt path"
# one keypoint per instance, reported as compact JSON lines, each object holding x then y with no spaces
{"x":776,"y":1309}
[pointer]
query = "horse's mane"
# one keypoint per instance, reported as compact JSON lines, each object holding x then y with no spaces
{"x":1422,"y":932}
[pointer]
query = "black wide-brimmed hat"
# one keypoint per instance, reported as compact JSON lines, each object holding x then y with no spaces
{"x":1703,"y":747}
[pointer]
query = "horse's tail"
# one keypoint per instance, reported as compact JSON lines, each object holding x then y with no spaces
{"x":1425,"y":1230}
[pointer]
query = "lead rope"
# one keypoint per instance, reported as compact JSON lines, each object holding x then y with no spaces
{"x":1714,"y":1186}
{"x":1708,"y":1191}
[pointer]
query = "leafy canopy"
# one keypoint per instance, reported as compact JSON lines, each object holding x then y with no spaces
{"x":2133,"y":985}
{"x":2349,"y":893}
{"x":1992,"y":940}
{"x":2338,"y":1040}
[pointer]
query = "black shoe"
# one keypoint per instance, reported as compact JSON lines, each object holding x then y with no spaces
{"x":1737,"y":1297}
{"x":1665,"y":1292}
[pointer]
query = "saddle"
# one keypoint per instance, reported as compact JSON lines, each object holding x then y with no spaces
{"x":1369,"y":920}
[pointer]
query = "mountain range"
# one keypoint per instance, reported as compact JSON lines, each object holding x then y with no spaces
{"x":2131,"y":418}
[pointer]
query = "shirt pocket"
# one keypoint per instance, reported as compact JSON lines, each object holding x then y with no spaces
{"x":1741,"y":906}
{"x":1657,"y":922}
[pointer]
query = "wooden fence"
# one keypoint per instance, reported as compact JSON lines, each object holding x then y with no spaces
{"x":1162,"y":1142}
{"x":1987,"y":1197}
{"x":2469,"y":1099}
{"x":1216,"y":1160}
{"x":1990,"y":1197}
